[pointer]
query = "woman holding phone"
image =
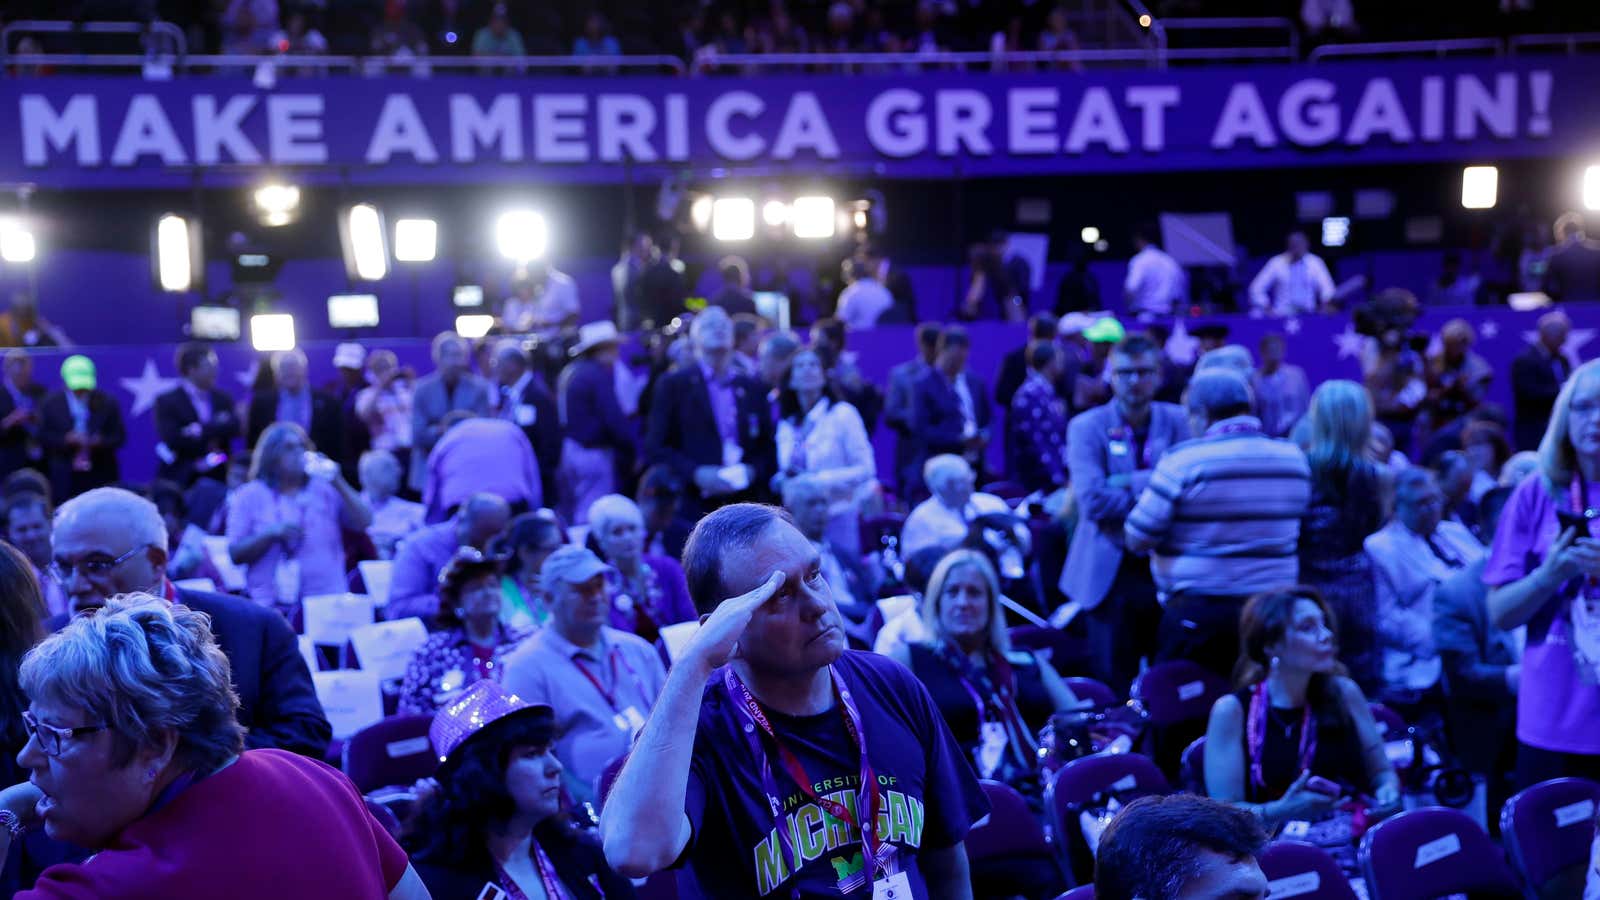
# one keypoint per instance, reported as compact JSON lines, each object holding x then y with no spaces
{"x":1542,"y":573}
{"x":1298,"y":734}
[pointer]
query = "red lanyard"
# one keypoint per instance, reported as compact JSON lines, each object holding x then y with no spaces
{"x":1256,"y":735}
{"x":874,"y":851}
{"x":614,"y":656}
{"x":547,"y":878}
{"x":1000,"y":705}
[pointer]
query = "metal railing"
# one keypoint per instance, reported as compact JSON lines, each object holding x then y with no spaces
{"x":1438,"y":49}
{"x":1291,"y":34}
{"x":1571,"y":43}
{"x":166,"y":30}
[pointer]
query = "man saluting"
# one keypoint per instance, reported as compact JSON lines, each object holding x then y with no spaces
{"x":776,"y":762}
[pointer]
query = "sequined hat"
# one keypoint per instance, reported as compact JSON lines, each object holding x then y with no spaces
{"x":478,"y":707}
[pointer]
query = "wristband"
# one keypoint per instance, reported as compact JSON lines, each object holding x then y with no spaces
{"x":12,"y":824}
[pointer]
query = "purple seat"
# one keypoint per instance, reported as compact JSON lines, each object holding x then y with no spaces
{"x":1177,"y":691}
{"x":1193,"y":767}
{"x":1009,"y":829}
{"x":1065,"y":650}
{"x":1081,"y":892}
{"x":394,"y":751}
{"x":1305,"y":871}
{"x":1428,"y":853}
{"x":1391,"y":725}
{"x":1547,"y":830}
{"x":1094,"y":691}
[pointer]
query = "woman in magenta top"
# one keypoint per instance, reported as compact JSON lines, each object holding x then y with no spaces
{"x":135,"y":753}
{"x":1546,"y":575}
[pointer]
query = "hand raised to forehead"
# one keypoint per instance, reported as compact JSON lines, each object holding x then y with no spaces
{"x":717,"y":641}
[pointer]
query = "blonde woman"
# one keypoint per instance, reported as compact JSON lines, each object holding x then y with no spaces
{"x":995,"y":699}
{"x":1542,"y":573}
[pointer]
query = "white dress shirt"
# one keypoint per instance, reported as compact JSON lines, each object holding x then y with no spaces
{"x":836,"y":450}
{"x":1285,"y":288}
{"x":1409,"y":569}
{"x":932,"y":524}
{"x":1155,"y":282}
{"x":862,"y":302}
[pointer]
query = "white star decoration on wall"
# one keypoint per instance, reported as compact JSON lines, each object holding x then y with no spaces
{"x":1488,"y":331}
{"x":1291,"y":326}
{"x":1349,"y":343}
{"x":146,"y":388}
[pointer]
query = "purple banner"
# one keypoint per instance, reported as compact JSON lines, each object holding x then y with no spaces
{"x":1325,"y":346}
{"x":128,"y":132}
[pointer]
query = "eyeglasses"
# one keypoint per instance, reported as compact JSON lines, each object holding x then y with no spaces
{"x":1132,"y":373}
{"x":93,"y":567}
{"x":52,"y":740}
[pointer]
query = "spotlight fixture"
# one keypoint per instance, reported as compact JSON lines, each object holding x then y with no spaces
{"x":416,"y":240}
{"x":179,"y":263}
{"x":277,"y":203}
{"x":1591,"y":188}
{"x":272,"y":332}
{"x":813,"y":217}
{"x":774,"y":213}
{"x":1089,"y":234}
{"x":473,"y":327}
{"x":1479,"y":187}
{"x":365,"y":250}
{"x":733,"y":219}
{"x":521,"y":235}
{"x":16,"y":241}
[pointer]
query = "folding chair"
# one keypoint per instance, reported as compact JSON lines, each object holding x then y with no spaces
{"x":1074,"y":788}
{"x":1434,"y":852}
{"x":1178,"y":695}
{"x":393,"y":752}
{"x":1011,"y":832}
{"x":1306,"y":871}
{"x":1547,"y":830}
{"x":1096,"y":692}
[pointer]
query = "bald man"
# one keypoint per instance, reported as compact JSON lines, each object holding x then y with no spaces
{"x":414,"y":588}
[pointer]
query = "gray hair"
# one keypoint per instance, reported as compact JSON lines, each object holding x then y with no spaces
{"x":801,"y":485}
{"x":441,"y":340}
{"x":1231,"y":356}
{"x":374,"y":458}
{"x":705,"y":318}
{"x":1218,"y":393}
{"x":268,"y":447}
{"x":143,"y":667}
{"x":779,"y":344}
{"x":942,"y":467}
{"x":605,"y":510}
{"x":134,"y":515}
{"x":282,"y":356}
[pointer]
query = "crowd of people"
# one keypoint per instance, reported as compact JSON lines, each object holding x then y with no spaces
{"x":656,"y":605}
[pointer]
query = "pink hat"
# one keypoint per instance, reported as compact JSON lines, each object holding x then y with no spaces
{"x":475,"y":709}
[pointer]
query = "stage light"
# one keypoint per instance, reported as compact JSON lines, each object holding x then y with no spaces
{"x":277,"y":203}
{"x":272,"y":332}
{"x":521,"y":235}
{"x":774,"y":213}
{"x":1479,"y":186}
{"x":700,"y":212}
{"x":1089,"y":234}
{"x":860,"y":219}
{"x":177,"y":256}
{"x":474,"y":326}
{"x":16,"y":242}
{"x":1144,"y":20}
{"x":1335,"y":231}
{"x":353,"y":311}
{"x":813,"y":217}
{"x":1591,"y":188}
{"x":733,"y":219}
{"x":366,"y":256}
{"x":416,"y":240}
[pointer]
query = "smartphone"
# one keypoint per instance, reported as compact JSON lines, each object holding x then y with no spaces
{"x":1323,"y":786}
{"x":1580,"y":521}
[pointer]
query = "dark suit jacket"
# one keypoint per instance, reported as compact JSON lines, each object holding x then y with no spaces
{"x":1534,"y":386}
{"x":682,"y":433}
{"x":1475,"y":657}
{"x":277,"y":703}
{"x":105,"y":421}
{"x":174,"y":413}
{"x":936,"y":420}
{"x":543,"y":428}
{"x":327,"y":420}
{"x":14,"y":440}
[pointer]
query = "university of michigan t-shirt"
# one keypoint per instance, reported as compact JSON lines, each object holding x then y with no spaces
{"x":928,"y":794}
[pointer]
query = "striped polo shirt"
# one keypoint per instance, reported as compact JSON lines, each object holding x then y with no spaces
{"x":1222,"y":512}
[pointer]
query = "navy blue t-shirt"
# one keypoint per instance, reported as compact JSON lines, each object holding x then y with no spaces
{"x":928,"y":794}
